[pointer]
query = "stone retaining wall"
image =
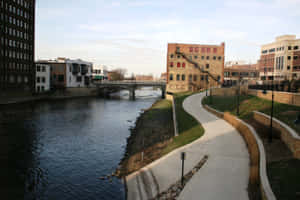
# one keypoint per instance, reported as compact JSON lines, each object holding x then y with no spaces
{"x":281,"y":97}
{"x":258,"y":171}
{"x":171,"y":98}
{"x":228,"y":91}
{"x":288,"y":135}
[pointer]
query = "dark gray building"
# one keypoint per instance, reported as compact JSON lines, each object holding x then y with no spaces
{"x":17,"y":27}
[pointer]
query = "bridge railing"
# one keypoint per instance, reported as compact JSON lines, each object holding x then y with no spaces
{"x":127,"y":82}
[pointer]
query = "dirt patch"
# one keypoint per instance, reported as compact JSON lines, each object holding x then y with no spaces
{"x":153,"y":132}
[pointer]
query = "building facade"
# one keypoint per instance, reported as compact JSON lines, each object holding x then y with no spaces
{"x":280,"y":59}
{"x":42,"y":78}
{"x":67,"y":73}
{"x":100,"y":73}
{"x":17,"y":24}
{"x":248,"y":73}
{"x":183,"y":76}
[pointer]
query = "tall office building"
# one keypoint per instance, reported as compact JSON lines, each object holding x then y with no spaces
{"x":183,"y":76}
{"x":280,"y":59}
{"x":17,"y":27}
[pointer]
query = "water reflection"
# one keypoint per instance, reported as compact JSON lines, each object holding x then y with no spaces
{"x":59,"y":149}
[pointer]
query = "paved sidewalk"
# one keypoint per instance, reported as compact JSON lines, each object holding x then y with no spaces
{"x":224,"y":175}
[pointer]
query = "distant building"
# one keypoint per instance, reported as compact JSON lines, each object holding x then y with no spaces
{"x":163,"y":76}
{"x":100,"y":73}
{"x":249,"y":73}
{"x":281,"y":58}
{"x":183,"y":76}
{"x":17,"y":28}
{"x":42,"y":78}
{"x":231,"y":63}
{"x":67,"y":73}
{"x":144,"y":77}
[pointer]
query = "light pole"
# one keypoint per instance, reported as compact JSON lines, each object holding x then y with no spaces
{"x":206,"y":78}
{"x":270,"y":138}
{"x":238,"y":97}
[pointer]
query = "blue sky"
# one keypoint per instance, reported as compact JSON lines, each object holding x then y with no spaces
{"x":134,"y":34}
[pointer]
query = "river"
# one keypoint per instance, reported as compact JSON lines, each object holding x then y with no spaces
{"x":59,"y":149}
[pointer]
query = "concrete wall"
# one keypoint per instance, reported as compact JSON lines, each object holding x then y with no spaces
{"x":228,"y":91}
{"x":281,"y":97}
{"x":171,"y":98}
{"x":288,"y":135}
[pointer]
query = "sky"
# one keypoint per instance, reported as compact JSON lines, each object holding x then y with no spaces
{"x":134,"y":34}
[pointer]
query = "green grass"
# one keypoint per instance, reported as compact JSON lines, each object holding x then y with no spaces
{"x":189,"y":129}
{"x":248,"y":104}
{"x":284,"y":178}
{"x":160,"y":108}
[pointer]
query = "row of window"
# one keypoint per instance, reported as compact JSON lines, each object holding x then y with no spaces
{"x":183,"y":65}
{"x":296,"y":68}
{"x":20,"y":67}
{"x":250,"y":74}
{"x":40,"y":68}
{"x":18,"y":79}
{"x":40,"y":79}
{"x":202,"y":57}
{"x":181,"y":77}
{"x":22,"y":3}
{"x":279,"y":49}
{"x":203,"y":50}
{"x":40,"y":88}
{"x":279,"y":62}
{"x":16,"y":44}
{"x":18,"y":55}
{"x":290,"y":57}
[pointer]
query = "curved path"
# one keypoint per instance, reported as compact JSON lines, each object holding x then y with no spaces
{"x":224,"y":175}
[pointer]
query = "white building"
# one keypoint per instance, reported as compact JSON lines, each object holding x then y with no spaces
{"x":99,"y":73}
{"x":42,"y":78}
{"x":78,"y":73}
{"x":67,"y":73}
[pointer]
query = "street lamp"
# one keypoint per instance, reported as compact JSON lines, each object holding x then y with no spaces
{"x":238,"y":97}
{"x":272,"y":108}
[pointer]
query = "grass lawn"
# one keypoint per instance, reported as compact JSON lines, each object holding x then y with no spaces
{"x":284,"y":112}
{"x":189,"y":129}
{"x":284,"y":178}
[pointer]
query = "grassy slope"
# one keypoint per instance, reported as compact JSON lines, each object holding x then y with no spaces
{"x":283,"y":112}
{"x":189,"y":129}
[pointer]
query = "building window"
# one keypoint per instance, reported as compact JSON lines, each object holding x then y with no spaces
{"x":220,"y":57}
{"x":202,"y":57}
{"x":289,"y":57}
{"x":288,"y":67}
{"x":296,"y":47}
{"x":295,"y":57}
{"x":171,"y":56}
{"x":61,"y":78}
{"x":38,"y":79}
{"x":207,"y":66}
{"x":289,"y":48}
{"x":178,"y":64}
{"x":191,"y":49}
{"x":190,"y":77}
{"x":171,"y":64}
{"x":38,"y":68}
{"x":215,"y":57}
{"x":178,"y":49}
{"x":78,"y":78}
{"x":171,"y":77}
{"x":202,"y":77}
{"x":196,"y":49}
{"x":43,"y":68}
{"x":203,"y":50}
{"x":207,"y":57}
{"x":183,"y":65}
{"x":178,"y":56}
{"x":43,"y":80}
{"x":178,"y":77}
{"x":208,"y":50}
{"x":183,"y":77}
{"x":195,"y":77}
{"x":215,"y":50}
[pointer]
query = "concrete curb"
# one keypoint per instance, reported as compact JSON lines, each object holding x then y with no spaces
{"x":265,"y":187}
{"x":171,"y":98}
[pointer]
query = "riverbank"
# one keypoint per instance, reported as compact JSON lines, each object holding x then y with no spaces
{"x":153,"y":135}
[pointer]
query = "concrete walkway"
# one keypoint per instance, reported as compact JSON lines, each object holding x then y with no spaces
{"x":224,"y":176}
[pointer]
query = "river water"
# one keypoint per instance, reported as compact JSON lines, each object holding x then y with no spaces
{"x":59,"y":149}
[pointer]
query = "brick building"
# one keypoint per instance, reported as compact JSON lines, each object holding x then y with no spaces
{"x":281,"y":59}
{"x":183,"y":76}
{"x":248,"y":72}
{"x":17,"y":24}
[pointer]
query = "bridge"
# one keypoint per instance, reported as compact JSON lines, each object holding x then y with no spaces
{"x":131,"y":86}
